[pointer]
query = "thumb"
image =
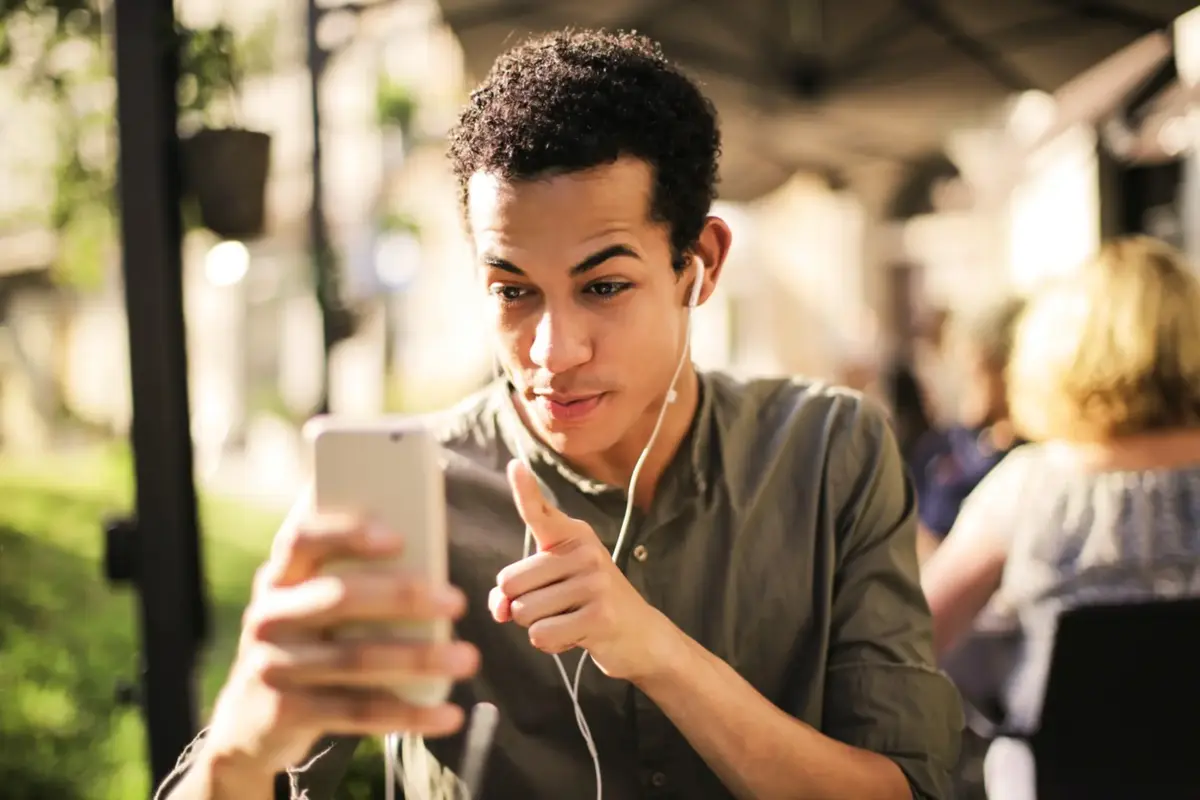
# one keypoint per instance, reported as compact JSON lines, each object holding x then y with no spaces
{"x":550,"y":527}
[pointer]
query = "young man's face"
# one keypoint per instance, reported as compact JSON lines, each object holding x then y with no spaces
{"x":588,"y":313}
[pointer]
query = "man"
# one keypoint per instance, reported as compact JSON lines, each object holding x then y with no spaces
{"x":765,"y":635}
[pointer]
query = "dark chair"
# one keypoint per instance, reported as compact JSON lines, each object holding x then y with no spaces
{"x":1121,"y":716}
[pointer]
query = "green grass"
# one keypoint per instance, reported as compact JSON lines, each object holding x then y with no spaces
{"x":67,"y":637}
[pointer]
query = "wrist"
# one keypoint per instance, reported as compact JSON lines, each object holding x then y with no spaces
{"x":228,"y":774}
{"x":667,"y":654}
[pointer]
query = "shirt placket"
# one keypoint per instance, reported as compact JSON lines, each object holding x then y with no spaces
{"x":654,"y":730}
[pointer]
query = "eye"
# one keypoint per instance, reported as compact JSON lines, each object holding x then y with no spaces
{"x":509,"y":293}
{"x":607,"y":289}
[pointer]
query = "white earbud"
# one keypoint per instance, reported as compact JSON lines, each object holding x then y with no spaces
{"x":693,"y":301}
{"x":697,"y":285}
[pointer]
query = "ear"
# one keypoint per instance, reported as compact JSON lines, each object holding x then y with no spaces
{"x":711,"y":250}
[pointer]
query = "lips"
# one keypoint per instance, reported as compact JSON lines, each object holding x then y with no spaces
{"x":568,"y":408}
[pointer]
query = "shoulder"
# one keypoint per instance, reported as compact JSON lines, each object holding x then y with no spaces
{"x":1001,"y":501}
{"x":1015,"y":472}
{"x":802,"y":428}
{"x":774,"y":405}
{"x":469,"y":431}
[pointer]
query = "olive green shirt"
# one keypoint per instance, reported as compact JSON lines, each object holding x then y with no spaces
{"x":781,"y":538}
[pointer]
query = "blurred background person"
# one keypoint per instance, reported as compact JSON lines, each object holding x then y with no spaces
{"x":949,"y":463}
{"x":912,"y":421}
{"x":935,"y":365}
{"x":1104,"y":506}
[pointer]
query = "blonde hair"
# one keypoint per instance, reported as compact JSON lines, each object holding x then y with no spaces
{"x":1111,"y":350}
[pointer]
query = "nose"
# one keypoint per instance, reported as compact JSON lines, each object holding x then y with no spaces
{"x":560,"y":342}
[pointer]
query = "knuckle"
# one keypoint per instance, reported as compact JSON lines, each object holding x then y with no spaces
{"x":593,"y":557}
{"x":352,"y":657}
{"x":265,"y":664}
{"x":519,"y":611}
{"x":361,"y":708}
{"x":255,"y":624}
{"x":289,"y":710}
{"x":423,"y":660}
{"x":545,"y":642}
{"x":339,"y":596}
{"x":598,"y":615}
{"x":270,"y":673}
{"x":594,"y":582}
{"x":537,"y":636}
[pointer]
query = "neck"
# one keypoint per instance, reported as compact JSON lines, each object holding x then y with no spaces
{"x":1167,"y":449}
{"x":615,"y":466}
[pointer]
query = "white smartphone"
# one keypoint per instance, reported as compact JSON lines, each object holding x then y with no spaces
{"x":388,"y":470}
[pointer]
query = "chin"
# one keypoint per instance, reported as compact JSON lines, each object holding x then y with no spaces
{"x":578,"y":446}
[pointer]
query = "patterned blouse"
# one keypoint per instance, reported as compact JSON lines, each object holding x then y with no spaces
{"x":1079,"y":537}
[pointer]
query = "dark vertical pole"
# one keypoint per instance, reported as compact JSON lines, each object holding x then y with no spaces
{"x":318,"y":238}
{"x":165,"y":542}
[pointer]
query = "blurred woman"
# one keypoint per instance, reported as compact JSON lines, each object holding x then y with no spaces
{"x":908,"y":408}
{"x":1104,"y":506}
{"x":948,"y":464}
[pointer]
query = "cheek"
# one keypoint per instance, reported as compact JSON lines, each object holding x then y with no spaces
{"x":640,"y":348}
{"x":509,"y":335}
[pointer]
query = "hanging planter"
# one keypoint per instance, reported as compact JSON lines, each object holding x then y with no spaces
{"x":225,"y":172}
{"x":224,"y":165}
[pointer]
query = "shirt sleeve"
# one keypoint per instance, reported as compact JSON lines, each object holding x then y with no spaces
{"x":883,"y":692}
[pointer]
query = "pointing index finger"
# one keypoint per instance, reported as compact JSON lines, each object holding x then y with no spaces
{"x":550,"y":526}
{"x":532,"y":504}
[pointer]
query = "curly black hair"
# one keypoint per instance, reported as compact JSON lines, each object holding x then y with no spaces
{"x":572,"y":100}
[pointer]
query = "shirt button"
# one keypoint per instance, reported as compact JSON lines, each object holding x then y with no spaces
{"x":640,"y":553}
{"x":658,"y":780}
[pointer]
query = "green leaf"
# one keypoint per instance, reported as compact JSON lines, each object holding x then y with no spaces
{"x":395,"y":104}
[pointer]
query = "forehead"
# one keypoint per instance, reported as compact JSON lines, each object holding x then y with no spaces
{"x":561,"y":209}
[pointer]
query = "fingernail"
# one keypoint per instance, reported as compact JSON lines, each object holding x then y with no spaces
{"x":451,"y":599}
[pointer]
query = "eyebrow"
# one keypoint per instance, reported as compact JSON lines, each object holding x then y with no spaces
{"x":589,"y":263}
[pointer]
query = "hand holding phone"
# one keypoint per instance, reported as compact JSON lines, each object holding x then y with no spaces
{"x":348,"y":628}
{"x":388,"y":472}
